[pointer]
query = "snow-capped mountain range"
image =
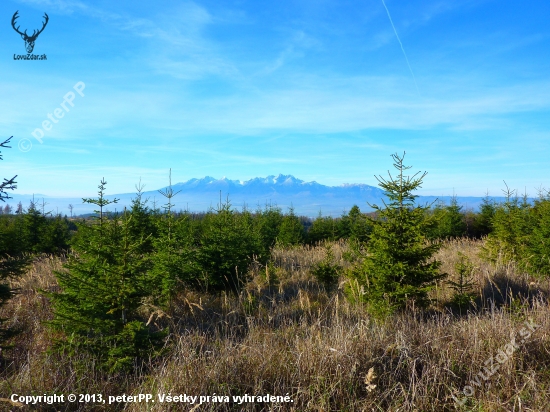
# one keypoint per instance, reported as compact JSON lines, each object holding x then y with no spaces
{"x":197,"y":195}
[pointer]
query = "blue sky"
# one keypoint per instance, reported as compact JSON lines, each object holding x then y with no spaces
{"x":318,"y":89}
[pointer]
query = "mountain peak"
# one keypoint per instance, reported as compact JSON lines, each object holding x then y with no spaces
{"x":270,"y":187}
{"x":287,"y":179}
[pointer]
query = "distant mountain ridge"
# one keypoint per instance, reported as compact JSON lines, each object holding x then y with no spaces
{"x":284,"y":191}
{"x":268,"y":185}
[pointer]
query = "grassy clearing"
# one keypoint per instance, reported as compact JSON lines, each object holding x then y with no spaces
{"x":286,"y":335}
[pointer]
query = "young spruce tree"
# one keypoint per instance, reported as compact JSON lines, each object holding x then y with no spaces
{"x":398,"y":268}
{"x":448,"y":221}
{"x":512,"y":224}
{"x":228,"y":243}
{"x":174,"y":260}
{"x":537,"y":253}
{"x":291,"y":231}
{"x":102,"y":287}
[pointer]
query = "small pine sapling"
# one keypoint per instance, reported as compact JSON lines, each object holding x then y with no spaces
{"x":536,"y":258}
{"x":103,"y":285}
{"x":464,"y":286}
{"x":228,"y":243}
{"x":291,"y":231}
{"x":327,"y":271}
{"x":512,"y":225}
{"x":398,"y":268}
{"x":174,"y":263}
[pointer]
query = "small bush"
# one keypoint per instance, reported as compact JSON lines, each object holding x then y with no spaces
{"x":463,"y":287}
{"x":326,"y":271}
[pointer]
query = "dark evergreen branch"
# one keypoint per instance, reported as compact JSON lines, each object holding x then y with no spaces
{"x":7,"y":184}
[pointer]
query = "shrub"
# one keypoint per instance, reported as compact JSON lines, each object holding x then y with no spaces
{"x":327,"y":271}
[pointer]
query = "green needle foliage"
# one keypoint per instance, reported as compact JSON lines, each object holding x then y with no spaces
{"x":13,"y":260}
{"x":327,"y":271}
{"x":512,"y":224}
{"x":521,"y":233}
{"x":448,"y":221}
{"x":464,"y":286}
{"x":7,"y":184}
{"x":483,"y":223}
{"x":538,"y":247}
{"x":174,"y":260}
{"x":291,"y":231}
{"x":359,"y":227}
{"x":354,"y":226}
{"x":323,"y":228}
{"x":398,"y":268}
{"x":102,"y":288}
{"x":267,"y":224}
{"x":142,"y":225}
{"x":228,"y":243}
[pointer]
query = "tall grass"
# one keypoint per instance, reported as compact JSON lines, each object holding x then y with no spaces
{"x":284,"y":334}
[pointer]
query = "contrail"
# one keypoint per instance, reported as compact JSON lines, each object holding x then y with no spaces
{"x":401,"y":44}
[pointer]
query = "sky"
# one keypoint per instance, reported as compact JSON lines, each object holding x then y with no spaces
{"x":323,"y":90}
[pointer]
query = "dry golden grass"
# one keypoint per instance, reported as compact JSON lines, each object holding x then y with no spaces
{"x":286,"y":335}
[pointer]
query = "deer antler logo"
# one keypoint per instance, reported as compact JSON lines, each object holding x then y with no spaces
{"x":29,"y":40}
